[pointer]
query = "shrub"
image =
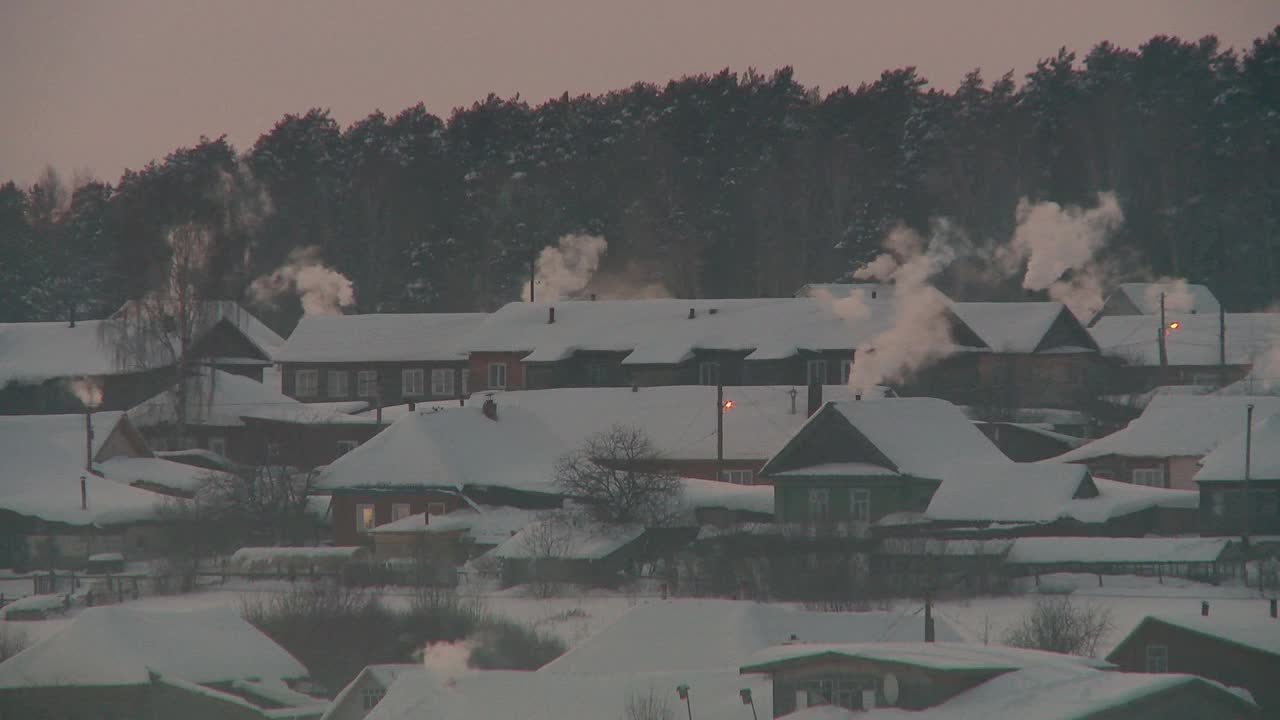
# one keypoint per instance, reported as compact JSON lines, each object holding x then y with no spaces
{"x":505,"y":645}
{"x":1058,"y":625}
{"x":12,"y":642}
{"x":649,"y":705}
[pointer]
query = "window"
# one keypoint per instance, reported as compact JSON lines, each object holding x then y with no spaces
{"x":436,"y":508}
{"x":738,"y":477}
{"x":498,"y":376}
{"x":218,"y":445}
{"x":399,"y":511}
{"x":1151,"y":477}
{"x":819,"y":504}
{"x":846,"y":369}
{"x":338,"y":383}
{"x":466,"y":382}
{"x":306,"y":383}
{"x":371,"y":696}
{"x":346,"y":446}
{"x":1219,"y":500}
{"x":442,"y":381}
{"x":597,"y":374}
{"x":365,"y":518}
{"x":816,"y":372}
{"x":709,"y":373}
{"x":412,"y":382}
{"x":860,"y":505}
{"x":367,"y":383}
{"x":1157,"y":659}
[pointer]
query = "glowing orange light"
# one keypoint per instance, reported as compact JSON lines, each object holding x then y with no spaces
{"x":728,"y":404}
{"x":1175,"y":325}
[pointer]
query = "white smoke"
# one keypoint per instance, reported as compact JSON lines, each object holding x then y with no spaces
{"x":323,"y":291}
{"x":87,"y":391}
{"x":920,"y":332}
{"x":447,"y":660}
{"x":852,"y":308}
{"x":566,"y":268}
{"x":1058,"y":246}
{"x":1177,"y":297}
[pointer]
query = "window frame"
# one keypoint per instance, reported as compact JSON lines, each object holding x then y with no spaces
{"x":371,"y":696}
{"x":1153,"y":477}
{"x":597,"y":375}
{"x":400,"y":511}
{"x":366,"y":383}
{"x":709,"y":372}
{"x":310,"y":388}
{"x":1161,"y":659}
{"x":437,"y":508}
{"x":343,"y":388}
{"x":732,"y":476}
{"x":810,"y":365}
{"x":413,"y":382}
{"x":440,"y":388}
{"x":464,"y":378}
{"x":860,"y":498}
{"x":497,"y":368}
{"x":819,"y":499}
{"x":363,"y":524}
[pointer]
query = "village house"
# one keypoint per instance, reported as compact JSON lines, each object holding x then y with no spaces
{"x":1144,"y":299}
{"x":60,"y":367}
{"x":72,"y":486}
{"x":1163,"y":447}
{"x":1236,"y":652}
{"x":126,"y":663}
{"x":363,"y":694}
{"x":250,"y":424}
{"x":1239,"y":495}
{"x":959,"y":681}
{"x":381,"y":359}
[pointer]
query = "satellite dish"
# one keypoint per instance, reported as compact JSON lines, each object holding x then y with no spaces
{"x":890,"y":689}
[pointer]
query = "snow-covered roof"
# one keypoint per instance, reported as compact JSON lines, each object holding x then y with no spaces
{"x":1249,"y":338}
{"x":1012,"y":327}
{"x":1180,"y":296}
{"x":222,"y":399}
{"x":504,"y":694}
{"x":1006,"y":492}
{"x":1177,"y":426}
{"x":118,"y":645}
{"x":567,"y":539}
{"x":42,"y":458}
{"x":266,"y":340}
{"x":382,"y":676}
{"x":1262,"y":634}
{"x":840,"y":291}
{"x":153,"y":472}
{"x":697,"y":493}
{"x":260,"y":557}
{"x":33,"y":352}
{"x":384,"y":337}
{"x":661,"y":331}
{"x":1059,"y":550}
{"x":485,"y":525}
{"x":688,"y":635}
{"x":1226,"y":461}
{"x":680,"y":421}
{"x":941,"y":656}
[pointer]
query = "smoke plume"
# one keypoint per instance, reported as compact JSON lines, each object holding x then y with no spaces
{"x":87,"y":391}
{"x":1177,"y":298}
{"x":566,"y":268}
{"x":447,"y":660}
{"x":323,"y":291}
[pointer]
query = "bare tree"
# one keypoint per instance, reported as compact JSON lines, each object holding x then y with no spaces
{"x":647,"y":705}
{"x":258,"y":499}
{"x":545,"y":543}
{"x":1058,"y":625}
{"x":618,"y":474}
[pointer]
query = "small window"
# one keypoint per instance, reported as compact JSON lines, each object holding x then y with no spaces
{"x":371,"y":696}
{"x":338,"y":380}
{"x":367,"y":383}
{"x":466,"y":382}
{"x":218,"y":445}
{"x":709,"y":373}
{"x":442,"y":382}
{"x":346,"y":446}
{"x":412,"y":382}
{"x":738,"y":477}
{"x":365,"y":518}
{"x":306,"y":383}
{"x":597,"y":374}
{"x":399,"y":511}
{"x":498,"y":376}
{"x":846,"y":369}
{"x":1157,"y":659}
{"x":1218,"y":500}
{"x":816,"y":372}
{"x":819,"y":504}
{"x":860,"y":505}
{"x":1151,"y":477}
{"x":435,"y":508}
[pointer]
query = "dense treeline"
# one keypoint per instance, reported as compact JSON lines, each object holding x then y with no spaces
{"x":714,"y":185}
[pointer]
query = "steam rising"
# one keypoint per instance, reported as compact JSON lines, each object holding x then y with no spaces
{"x":323,"y":291}
{"x":447,"y":660}
{"x":567,"y":268}
{"x":87,"y":391}
{"x":1177,"y":298}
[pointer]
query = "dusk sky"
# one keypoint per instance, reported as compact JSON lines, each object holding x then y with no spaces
{"x":100,"y":86}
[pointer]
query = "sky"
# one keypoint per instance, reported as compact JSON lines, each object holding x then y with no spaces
{"x":93,"y":87}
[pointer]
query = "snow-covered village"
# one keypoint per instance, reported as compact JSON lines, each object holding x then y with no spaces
{"x":729,"y":361}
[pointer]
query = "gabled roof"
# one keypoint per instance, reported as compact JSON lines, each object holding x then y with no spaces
{"x":115,"y":646}
{"x":567,"y":539}
{"x":213,"y":312}
{"x":1262,"y":635}
{"x":222,"y":399}
{"x":1008,"y":492}
{"x":1177,"y":426}
{"x":387,"y":337}
{"x":1226,"y":461}
{"x":937,"y":656}
{"x":1022,"y":327}
{"x":1180,"y":297}
{"x":1136,"y":339}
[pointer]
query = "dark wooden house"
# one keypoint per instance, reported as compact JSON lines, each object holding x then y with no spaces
{"x":1238,"y":498}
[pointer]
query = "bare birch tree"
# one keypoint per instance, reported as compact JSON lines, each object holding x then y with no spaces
{"x":618,"y":474}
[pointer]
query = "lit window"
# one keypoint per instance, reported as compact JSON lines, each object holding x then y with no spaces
{"x":498,"y":376}
{"x":738,"y":477}
{"x":367,"y":383}
{"x":412,"y":382}
{"x":399,"y":511}
{"x":346,"y":446}
{"x":365,"y":518}
{"x":442,"y":381}
{"x":709,"y":373}
{"x":338,"y":383}
{"x":860,"y":505}
{"x":1157,"y":659}
{"x":1151,"y":477}
{"x":819,"y":504}
{"x":816,"y":372}
{"x":306,"y":383}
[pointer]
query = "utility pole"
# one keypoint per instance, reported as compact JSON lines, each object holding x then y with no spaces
{"x":1222,"y":345}
{"x":1248,"y":448}
{"x":1164,"y":353}
{"x":719,"y":430}
{"x":533,"y":267}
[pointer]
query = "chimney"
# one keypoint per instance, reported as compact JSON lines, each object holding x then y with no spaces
{"x":490,"y":409}
{"x":412,"y":406}
{"x":71,"y":315}
{"x":692,"y":313}
{"x":635,"y":387}
{"x":1204,"y":608}
{"x":551,"y":316}
{"x":84,"y":494}
{"x":713,"y":311}
{"x":1273,"y":609}
{"x":815,"y":398}
{"x":593,"y":296}
{"x":426,"y":518}
{"x":873,"y":294}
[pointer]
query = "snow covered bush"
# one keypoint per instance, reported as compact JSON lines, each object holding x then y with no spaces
{"x":1058,"y":625}
{"x":505,"y":645}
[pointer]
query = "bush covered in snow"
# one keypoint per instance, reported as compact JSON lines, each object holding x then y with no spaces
{"x":1058,"y":625}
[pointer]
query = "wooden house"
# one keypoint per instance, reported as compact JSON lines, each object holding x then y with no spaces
{"x":1144,"y":299}
{"x":363,"y":694}
{"x":1235,"y":500}
{"x":1235,"y":652}
{"x":381,"y":359}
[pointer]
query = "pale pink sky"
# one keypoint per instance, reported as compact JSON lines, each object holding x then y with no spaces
{"x":99,"y":86}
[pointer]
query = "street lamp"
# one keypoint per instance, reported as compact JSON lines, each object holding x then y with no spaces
{"x":746,"y":700}
{"x":683,"y":691}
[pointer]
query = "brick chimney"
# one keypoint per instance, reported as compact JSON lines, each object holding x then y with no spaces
{"x":490,"y":409}
{"x":815,"y":398}
{"x":692,"y":313}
